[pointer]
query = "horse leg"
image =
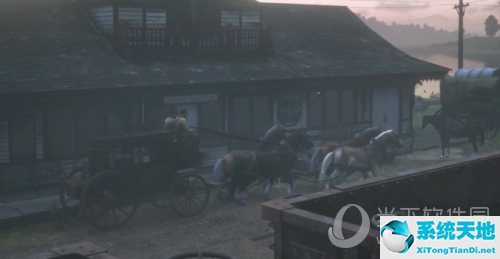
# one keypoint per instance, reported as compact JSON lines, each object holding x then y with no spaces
{"x":267,"y":189}
{"x":474,"y":147}
{"x":443,"y":145}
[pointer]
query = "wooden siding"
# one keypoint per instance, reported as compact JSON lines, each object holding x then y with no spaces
{"x":4,"y":140}
{"x":102,"y":17}
{"x":303,"y":120}
{"x":406,"y":127}
{"x":39,"y":135}
{"x":214,"y":154}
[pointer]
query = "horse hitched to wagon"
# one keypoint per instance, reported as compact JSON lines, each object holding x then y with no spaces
{"x":469,"y":109}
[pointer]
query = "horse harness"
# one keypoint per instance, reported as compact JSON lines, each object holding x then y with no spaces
{"x":255,"y":164}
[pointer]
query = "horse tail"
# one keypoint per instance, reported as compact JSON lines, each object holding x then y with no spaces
{"x":326,"y":164}
{"x":219,"y":165}
{"x":314,"y":160}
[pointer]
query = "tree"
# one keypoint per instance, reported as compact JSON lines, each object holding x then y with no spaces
{"x":491,"y":26}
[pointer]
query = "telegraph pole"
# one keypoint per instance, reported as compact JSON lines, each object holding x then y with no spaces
{"x":461,"y":12}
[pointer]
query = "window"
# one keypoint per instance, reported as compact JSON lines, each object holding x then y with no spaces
{"x":315,"y":110}
{"x":132,"y":16}
{"x":332,"y":108}
{"x":22,"y":138}
{"x":90,"y":125}
{"x":211,"y":119}
{"x":60,"y":137}
{"x":156,"y":18}
{"x":230,"y":17}
{"x":249,"y":19}
{"x":261,"y":115}
{"x":347,"y":107}
{"x":251,"y":116}
{"x":241,"y":113}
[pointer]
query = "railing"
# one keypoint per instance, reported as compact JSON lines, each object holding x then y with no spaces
{"x":197,"y":38}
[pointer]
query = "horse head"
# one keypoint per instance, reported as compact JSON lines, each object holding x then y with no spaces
{"x":389,"y":137}
{"x":300,"y":138}
{"x":425,"y":121}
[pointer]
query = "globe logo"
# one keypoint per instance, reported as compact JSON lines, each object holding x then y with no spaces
{"x":396,"y":236}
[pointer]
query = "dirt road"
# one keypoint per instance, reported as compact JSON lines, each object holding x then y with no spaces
{"x":156,"y":234}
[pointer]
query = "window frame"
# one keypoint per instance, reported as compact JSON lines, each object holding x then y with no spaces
{"x":251,"y":117}
{"x":10,"y":133}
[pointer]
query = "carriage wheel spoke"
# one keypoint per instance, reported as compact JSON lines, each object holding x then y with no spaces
{"x":106,"y":220}
{"x":120,"y":209}
{"x":102,"y":213}
{"x":114,"y":216}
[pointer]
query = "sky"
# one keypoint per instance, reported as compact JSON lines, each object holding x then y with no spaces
{"x":416,"y":11}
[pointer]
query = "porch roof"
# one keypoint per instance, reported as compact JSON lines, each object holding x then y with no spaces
{"x":49,"y":45}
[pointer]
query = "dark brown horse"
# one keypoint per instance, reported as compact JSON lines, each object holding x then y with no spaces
{"x":274,"y":135}
{"x":269,"y":166}
{"x":359,"y":140}
{"x":448,"y":129}
{"x":347,"y":160}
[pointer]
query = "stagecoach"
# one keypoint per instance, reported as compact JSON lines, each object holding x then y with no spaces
{"x":125,"y":171}
{"x":472,"y":100}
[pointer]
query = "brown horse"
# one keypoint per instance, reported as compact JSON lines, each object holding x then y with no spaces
{"x":347,"y":160}
{"x":268,"y":165}
{"x":224,"y":166}
{"x":359,"y":140}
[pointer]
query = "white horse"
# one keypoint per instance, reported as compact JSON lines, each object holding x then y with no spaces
{"x":347,"y":160}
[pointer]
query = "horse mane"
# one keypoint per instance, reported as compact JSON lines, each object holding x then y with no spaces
{"x":385,"y":132}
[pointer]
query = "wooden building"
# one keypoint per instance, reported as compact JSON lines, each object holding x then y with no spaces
{"x":74,"y":70}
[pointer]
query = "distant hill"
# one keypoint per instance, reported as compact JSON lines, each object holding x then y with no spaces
{"x":408,"y":36}
{"x":471,"y":26}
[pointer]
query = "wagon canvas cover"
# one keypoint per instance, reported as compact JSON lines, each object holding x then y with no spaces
{"x":455,"y":89}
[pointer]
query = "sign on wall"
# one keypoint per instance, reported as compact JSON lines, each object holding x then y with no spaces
{"x":289,"y":110}
{"x":191,"y":98}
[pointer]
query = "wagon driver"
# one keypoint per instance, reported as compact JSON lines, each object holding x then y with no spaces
{"x":170,"y":121}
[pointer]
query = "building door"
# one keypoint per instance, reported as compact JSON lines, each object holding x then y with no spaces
{"x":385,"y":111}
{"x":192,"y":109}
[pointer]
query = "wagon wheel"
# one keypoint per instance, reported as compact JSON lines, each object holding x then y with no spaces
{"x":189,"y":195}
{"x":109,"y":200}
{"x":492,"y":129}
{"x":491,"y":133}
{"x":438,"y":112}
{"x":80,"y":174}
{"x":200,"y":255}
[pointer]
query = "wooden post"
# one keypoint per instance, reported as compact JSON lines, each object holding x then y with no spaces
{"x":116,"y":26}
{"x":230,"y":36}
{"x":194,"y":39}
{"x":269,"y":37}
{"x":177,"y":36}
{"x":125,"y":37}
{"x":144,"y":27}
{"x":461,"y":12}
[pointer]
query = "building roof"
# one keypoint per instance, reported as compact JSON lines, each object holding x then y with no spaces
{"x":51,"y":45}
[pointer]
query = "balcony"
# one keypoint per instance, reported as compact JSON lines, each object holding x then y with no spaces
{"x":196,"y":38}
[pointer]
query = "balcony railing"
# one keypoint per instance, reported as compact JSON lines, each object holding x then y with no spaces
{"x":227,"y":37}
